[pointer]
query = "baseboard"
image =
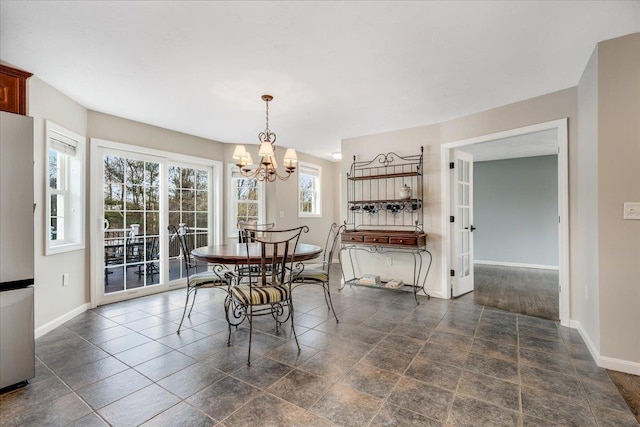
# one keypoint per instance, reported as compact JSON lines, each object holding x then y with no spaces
{"x":517,"y":264}
{"x":604,"y":361}
{"x":48,"y":327}
{"x":435,"y":293}
{"x":595,"y":353}
{"x":620,"y":365}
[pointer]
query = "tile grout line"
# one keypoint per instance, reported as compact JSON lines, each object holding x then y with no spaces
{"x":95,"y":412}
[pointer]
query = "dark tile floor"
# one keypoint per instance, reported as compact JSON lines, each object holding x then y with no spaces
{"x":387,"y":363}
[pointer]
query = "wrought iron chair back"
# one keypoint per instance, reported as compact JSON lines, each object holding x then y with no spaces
{"x":266,"y":287}
{"x":330,"y":246}
{"x":320,"y":275}
{"x":253,"y":225}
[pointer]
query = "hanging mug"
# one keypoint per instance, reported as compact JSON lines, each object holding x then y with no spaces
{"x":405,"y":192}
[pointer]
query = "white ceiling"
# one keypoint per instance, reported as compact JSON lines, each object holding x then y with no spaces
{"x":336,"y":69}
{"x":542,"y":143}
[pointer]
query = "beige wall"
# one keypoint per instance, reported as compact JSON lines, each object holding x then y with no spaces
{"x":585,"y":291}
{"x":544,"y":108}
{"x":117,"y":129}
{"x":282,"y":196}
{"x":52,"y":300}
{"x":619,"y":182}
{"x":604,"y":160}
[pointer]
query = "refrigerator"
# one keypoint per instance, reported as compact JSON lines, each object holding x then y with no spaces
{"x":17,"y":358}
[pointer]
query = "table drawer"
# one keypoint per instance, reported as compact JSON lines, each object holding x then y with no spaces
{"x":376,"y":239}
{"x":351,"y":238}
{"x":410,"y":241}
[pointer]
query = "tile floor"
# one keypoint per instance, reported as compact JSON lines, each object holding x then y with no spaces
{"x":387,"y":363}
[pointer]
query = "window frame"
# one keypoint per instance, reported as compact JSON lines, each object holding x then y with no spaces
{"x":73,"y":194}
{"x":232,"y":201}
{"x":317,"y":177}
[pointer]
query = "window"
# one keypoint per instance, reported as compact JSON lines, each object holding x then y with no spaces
{"x":246,"y":200}
{"x":309,"y":190}
{"x":65,"y":190}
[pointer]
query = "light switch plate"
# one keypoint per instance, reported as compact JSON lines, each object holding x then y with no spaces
{"x":631,"y":210}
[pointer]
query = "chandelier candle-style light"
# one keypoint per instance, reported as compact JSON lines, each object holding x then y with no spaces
{"x":267,"y":170}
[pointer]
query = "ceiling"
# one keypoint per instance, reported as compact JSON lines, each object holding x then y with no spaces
{"x":542,"y":143}
{"x":336,"y":69}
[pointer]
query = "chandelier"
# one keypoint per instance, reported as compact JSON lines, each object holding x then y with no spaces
{"x":267,"y":169}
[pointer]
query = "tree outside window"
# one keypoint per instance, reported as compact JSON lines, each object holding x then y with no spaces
{"x":246,"y":200}
{"x":309,"y":190}
{"x":65,"y":190}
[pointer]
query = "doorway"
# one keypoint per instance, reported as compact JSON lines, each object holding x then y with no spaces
{"x":508,"y":144}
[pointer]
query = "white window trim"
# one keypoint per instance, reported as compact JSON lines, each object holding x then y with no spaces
{"x":317,"y":214}
{"x":232,"y":229}
{"x":74,"y":194}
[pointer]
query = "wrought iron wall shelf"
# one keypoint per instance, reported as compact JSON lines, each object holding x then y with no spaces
{"x":384,"y":175}
{"x":382,"y":217}
{"x":374,"y":187}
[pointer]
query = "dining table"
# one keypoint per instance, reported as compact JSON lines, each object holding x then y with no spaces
{"x":236,"y":253}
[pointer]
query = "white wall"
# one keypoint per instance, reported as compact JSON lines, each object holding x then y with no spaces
{"x":52,"y":300}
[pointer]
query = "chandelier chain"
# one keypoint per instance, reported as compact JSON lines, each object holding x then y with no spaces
{"x":267,"y":131}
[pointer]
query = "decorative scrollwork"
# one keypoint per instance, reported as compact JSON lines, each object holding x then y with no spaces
{"x":234,"y":312}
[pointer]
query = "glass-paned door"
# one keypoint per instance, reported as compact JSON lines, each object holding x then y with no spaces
{"x":188,"y":201}
{"x":131,"y":217}
{"x":462,"y":209}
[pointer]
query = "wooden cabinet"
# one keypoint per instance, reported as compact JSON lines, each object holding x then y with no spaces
{"x":391,"y":238}
{"x":13,"y":90}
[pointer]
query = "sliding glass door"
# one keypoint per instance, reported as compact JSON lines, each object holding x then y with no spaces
{"x":131,"y":232}
{"x":188,"y":204}
{"x":141,"y":195}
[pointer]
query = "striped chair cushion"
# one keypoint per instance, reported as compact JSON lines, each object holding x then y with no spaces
{"x":208,"y":279}
{"x":260,"y":294}
{"x":316,"y":274}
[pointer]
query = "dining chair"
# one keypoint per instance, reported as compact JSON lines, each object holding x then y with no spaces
{"x":319,"y":274}
{"x":253,"y":225}
{"x":256,"y":229}
{"x":217,"y":276}
{"x":266,"y":289}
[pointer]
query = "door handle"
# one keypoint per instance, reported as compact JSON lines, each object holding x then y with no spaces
{"x":472,"y":228}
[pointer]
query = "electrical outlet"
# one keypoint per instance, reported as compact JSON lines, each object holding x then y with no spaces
{"x":631,"y":211}
{"x":65,"y":279}
{"x":389,"y":260}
